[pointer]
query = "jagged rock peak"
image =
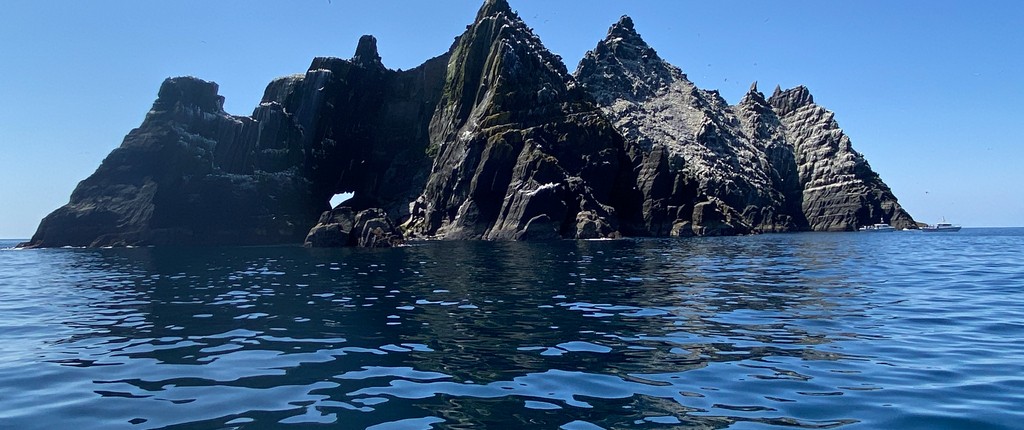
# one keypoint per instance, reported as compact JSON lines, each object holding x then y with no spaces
{"x":623,"y":34}
{"x":499,"y":64}
{"x":494,"y":8}
{"x":624,"y":26}
{"x":790,"y":100}
{"x":754,"y":96}
{"x":624,"y":60}
{"x":366,"y":53}
{"x":189,"y":91}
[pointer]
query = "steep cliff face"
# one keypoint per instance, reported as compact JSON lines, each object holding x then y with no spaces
{"x":522,"y":152}
{"x":354,"y":127}
{"x":840,"y":191}
{"x":707,"y":168}
{"x":774,"y":155}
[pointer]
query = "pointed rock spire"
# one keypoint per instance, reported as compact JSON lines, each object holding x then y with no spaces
{"x":624,"y":61}
{"x":499,"y":63}
{"x":624,"y":25}
{"x":754,"y":96}
{"x":502,"y":168}
{"x":366,"y":53}
{"x":493,"y":8}
{"x":622,"y":43}
{"x":624,"y":32}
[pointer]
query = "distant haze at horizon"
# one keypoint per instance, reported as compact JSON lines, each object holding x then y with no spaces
{"x":927,"y":92}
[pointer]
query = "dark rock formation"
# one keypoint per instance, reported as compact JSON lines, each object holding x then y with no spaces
{"x":493,"y":140}
{"x":355,"y":126}
{"x":185,"y":176}
{"x":522,"y":152}
{"x":192,"y":174}
{"x":342,"y":227}
{"x":708,"y":168}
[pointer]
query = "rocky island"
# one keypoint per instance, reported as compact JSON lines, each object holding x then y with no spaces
{"x":493,"y":140}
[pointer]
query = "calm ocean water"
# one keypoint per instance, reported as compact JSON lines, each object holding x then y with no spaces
{"x":849,"y":330}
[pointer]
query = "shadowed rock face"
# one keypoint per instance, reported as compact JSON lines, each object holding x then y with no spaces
{"x":493,"y":140}
{"x":522,"y":152}
{"x":192,"y":174}
{"x":354,"y":126}
{"x":186,"y":175}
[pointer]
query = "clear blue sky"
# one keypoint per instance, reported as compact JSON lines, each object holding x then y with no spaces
{"x":932,"y":92}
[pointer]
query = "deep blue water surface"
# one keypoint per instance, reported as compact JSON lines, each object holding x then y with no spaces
{"x":849,"y":330}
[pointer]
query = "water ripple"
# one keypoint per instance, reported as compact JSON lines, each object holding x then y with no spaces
{"x":808,"y":331}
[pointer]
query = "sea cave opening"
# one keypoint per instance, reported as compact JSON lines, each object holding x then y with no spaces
{"x":341,"y":198}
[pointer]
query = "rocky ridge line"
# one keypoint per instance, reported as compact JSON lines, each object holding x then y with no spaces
{"x":709,"y":168}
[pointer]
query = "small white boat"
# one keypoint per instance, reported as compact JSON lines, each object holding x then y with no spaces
{"x":878,"y":228}
{"x":941,"y":227}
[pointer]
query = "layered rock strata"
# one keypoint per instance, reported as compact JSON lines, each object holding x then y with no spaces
{"x":493,"y":140}
{"x":840,"y":191}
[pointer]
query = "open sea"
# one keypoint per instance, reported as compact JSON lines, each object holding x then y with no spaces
{"x":902,"y":330}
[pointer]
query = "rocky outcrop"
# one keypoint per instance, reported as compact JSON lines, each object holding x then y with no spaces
{"x":493,"y":140}
{"x":192,"y":174}
{"x":185,"y":176}
{"x":708,"y":168}
{"x":522,"y":152}
{"x":343,"y":227}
